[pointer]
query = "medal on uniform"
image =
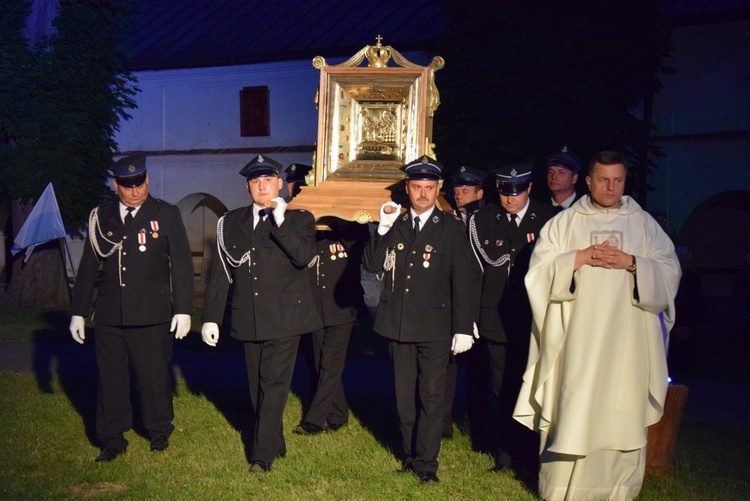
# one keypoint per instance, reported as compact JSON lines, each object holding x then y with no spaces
{"x":155,"y":228}
{"x":142,"y":241}
{"x":426,"y":257}
{"x":340,"y":249}
{"x":400,"y":246}
{"x":332,"y":248}
{"x":498,"y":243}
{"x":529,"y":237}
{"x":428,"y":248}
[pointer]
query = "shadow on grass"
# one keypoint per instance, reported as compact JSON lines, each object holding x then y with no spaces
{"x":54,"y":352}
{"x":219,"y":374}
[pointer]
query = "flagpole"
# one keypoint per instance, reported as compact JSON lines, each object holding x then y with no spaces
{"x":63,"y":248}
{"x":70,"y":258}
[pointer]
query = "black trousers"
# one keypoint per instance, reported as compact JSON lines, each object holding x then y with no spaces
{"x":513,"y":442}
{"x":494,"y":376}
{"x":148,"y":350}
{"x":451,"y":376}
{"x":477,"y":393}
{"x":419,"y":370}
{"x":329,"y":350}
{"x":270,"y":365}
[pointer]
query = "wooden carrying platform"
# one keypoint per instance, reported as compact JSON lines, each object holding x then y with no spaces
{"x":358,"y":201}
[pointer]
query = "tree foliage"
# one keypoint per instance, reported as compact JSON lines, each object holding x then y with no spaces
{"x":524,"y":78}
{"x":61,"y":102}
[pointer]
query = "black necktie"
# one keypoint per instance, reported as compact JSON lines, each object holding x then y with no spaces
{"x":559,"y":208}
{"x":416,"y":226}
{"x":514,"y":219}
{"x":262,"y":217}
{"x":129,"y":216}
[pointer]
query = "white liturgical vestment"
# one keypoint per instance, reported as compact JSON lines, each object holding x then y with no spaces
{"x":596,"y":376}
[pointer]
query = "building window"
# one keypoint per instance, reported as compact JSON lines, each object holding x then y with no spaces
{"x":254,"y":112}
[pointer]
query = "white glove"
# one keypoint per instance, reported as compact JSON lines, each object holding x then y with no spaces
{"x":181,"y":322}
{"x":210,"y":333}
{"x":77,"y":328}
{"x":387,"y":220}
{"x":279,"y":210}
{"x":461,"y":343}
{"x":476,"y":331}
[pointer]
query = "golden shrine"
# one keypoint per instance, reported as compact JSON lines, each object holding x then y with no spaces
{"x":371,"y":120}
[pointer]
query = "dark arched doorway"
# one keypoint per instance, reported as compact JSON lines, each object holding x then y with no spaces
{"x":717,"y":232}
{"x":200,"y":213}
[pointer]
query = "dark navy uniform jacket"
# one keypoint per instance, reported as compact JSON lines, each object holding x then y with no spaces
{"x":335,"y":275}
{"x":505,"y":311}
{"x":433,"y":290}
{"x":272,"y":293}
{"x":150,"y":281}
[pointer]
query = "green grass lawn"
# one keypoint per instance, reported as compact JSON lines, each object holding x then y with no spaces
{"x":47,"y":448}
{"x":45,"y":454}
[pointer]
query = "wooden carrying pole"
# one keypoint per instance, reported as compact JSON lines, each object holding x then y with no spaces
{"x":662,"y":436}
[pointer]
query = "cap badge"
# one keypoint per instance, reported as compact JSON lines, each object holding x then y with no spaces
{"x":463,"y":169}
{"x":131,"y":168}
{"x":565,"y":149}
{"x":513,"y":173}
{"x":260,"y":158}
{"x":424,"y":160}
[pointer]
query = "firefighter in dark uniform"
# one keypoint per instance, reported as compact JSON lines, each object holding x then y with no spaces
{"x":562,"y":175}
{"x":427,"y":308}
{"x":466,"y":195}
{"x":264,"y":251}
{"x":335,"y":277}
{"x":145,"y":292}
{"x":503,"y":238}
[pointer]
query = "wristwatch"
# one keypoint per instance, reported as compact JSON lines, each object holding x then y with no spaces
{"x":632,"y":268}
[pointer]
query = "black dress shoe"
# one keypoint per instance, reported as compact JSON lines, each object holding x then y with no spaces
{"x":308,"y":429}
{"x":503,"y":461}
{"x":428,"y":477}
{"x":260,"y":466}
{"x":108,"y":454}
{"x":335,"y":426}
{"x":159,"y":444}
{"x":498,"y":468}
{"x":408,"y":468}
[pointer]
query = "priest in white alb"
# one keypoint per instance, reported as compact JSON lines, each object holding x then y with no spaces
{"x":602,"y":281}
